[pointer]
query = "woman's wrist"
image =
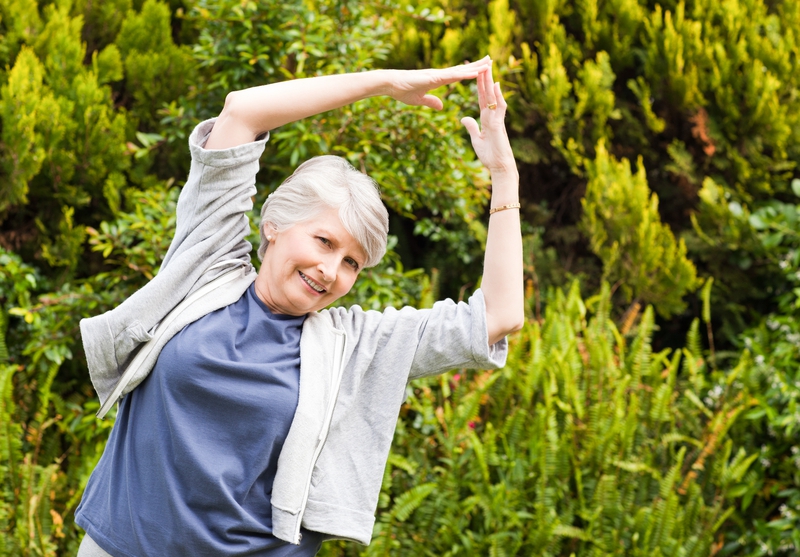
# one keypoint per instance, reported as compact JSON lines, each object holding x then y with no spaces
{"x":382,"y":82}
{"x":505,"y":187}
{"x":505,"y":168}
{"x":505,"y":174}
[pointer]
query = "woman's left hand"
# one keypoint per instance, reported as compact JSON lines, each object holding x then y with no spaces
{"x":490,"y":139}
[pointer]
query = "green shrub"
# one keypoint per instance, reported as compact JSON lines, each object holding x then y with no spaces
{"x":50,"y":439}
{"x":621,"y":220}
{"x":768,"y":519}
{"x":703,"y":92}
{"x":157,"y":71}
{"x":63,"y":155}
{"x":587,"y":443}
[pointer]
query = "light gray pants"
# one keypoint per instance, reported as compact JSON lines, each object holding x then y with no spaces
{"x":89,"y":548}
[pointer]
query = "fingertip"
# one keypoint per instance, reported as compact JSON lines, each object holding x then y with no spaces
{"x":485,"y":60}
{"x":498,"y":93}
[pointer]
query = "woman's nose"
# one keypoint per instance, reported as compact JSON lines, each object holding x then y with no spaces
{"x":327,"y":269}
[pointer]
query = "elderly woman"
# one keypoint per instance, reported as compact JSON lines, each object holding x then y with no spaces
{"x":262,"y":421}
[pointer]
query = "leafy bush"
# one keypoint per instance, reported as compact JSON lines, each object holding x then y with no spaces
{"x":50,"y":439}
{"x":624,"y":228}
{"x":768,"y":522}
{"x":768,"y":518}
{"x":587,"y":443}
{"x":157,"y":71}
{"x":703,"y":93}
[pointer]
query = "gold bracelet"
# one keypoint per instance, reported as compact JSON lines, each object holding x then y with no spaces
{"x":504,"y":207}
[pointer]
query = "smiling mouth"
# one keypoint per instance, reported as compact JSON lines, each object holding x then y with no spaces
{"x":316,"y":287}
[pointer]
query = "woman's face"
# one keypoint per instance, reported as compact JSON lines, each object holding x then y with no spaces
{"x":309,"y":266}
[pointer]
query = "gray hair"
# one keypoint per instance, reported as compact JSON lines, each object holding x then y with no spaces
{"x":329,"y":182}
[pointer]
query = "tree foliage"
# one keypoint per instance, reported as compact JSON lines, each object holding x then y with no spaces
{"x":622,"y":223}
{"x":703,"y":92}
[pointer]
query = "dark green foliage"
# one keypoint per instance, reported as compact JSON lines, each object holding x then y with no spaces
{"x":157,"y":71}
{"x":768,"y":519}
{"x":703,"y":92}
{"x":102,"y":21}
{"x":769,"y":516}
{"x":63,"y":154}
{"x":66,"y":153}
{"x":50,"y":439}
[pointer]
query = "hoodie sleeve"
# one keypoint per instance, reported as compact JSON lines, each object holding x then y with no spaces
{"x":212,"y":224}
{"x":455,"y":335}
{"x":422,"y":342}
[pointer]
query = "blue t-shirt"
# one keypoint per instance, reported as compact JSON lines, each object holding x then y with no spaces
{"x":189,"y":465}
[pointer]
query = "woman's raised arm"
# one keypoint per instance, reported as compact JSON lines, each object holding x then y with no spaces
{"x":502,"y":265}
{"x":251,"y":112}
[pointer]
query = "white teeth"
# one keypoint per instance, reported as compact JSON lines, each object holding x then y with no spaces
{"x":312,"y":284}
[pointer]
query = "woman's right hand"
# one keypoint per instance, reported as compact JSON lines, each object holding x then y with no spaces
{"x":490,"y":139}
{"x":411,"y":86}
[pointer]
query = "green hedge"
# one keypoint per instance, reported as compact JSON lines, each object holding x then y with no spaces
{"x":658,"y":146}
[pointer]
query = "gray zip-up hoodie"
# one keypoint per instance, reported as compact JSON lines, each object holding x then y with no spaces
{"x":354,"y":366}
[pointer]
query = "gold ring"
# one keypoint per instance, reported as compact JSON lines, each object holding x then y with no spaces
{"x":491,"y":106}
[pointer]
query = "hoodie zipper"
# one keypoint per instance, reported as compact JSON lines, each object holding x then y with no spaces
{"x":326,"y":425}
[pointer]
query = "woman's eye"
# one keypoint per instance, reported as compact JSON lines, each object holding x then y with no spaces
{"x":325,"y":241}
{"x":352,"y":262}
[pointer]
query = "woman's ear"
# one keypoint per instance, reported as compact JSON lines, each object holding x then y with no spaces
{"x":270,"y":232}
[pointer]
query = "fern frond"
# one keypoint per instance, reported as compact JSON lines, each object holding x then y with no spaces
{"x":403,"y":463}
{"x":3,"y":326}
{"x":693,"y":339}
{"x":408,"y":502}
